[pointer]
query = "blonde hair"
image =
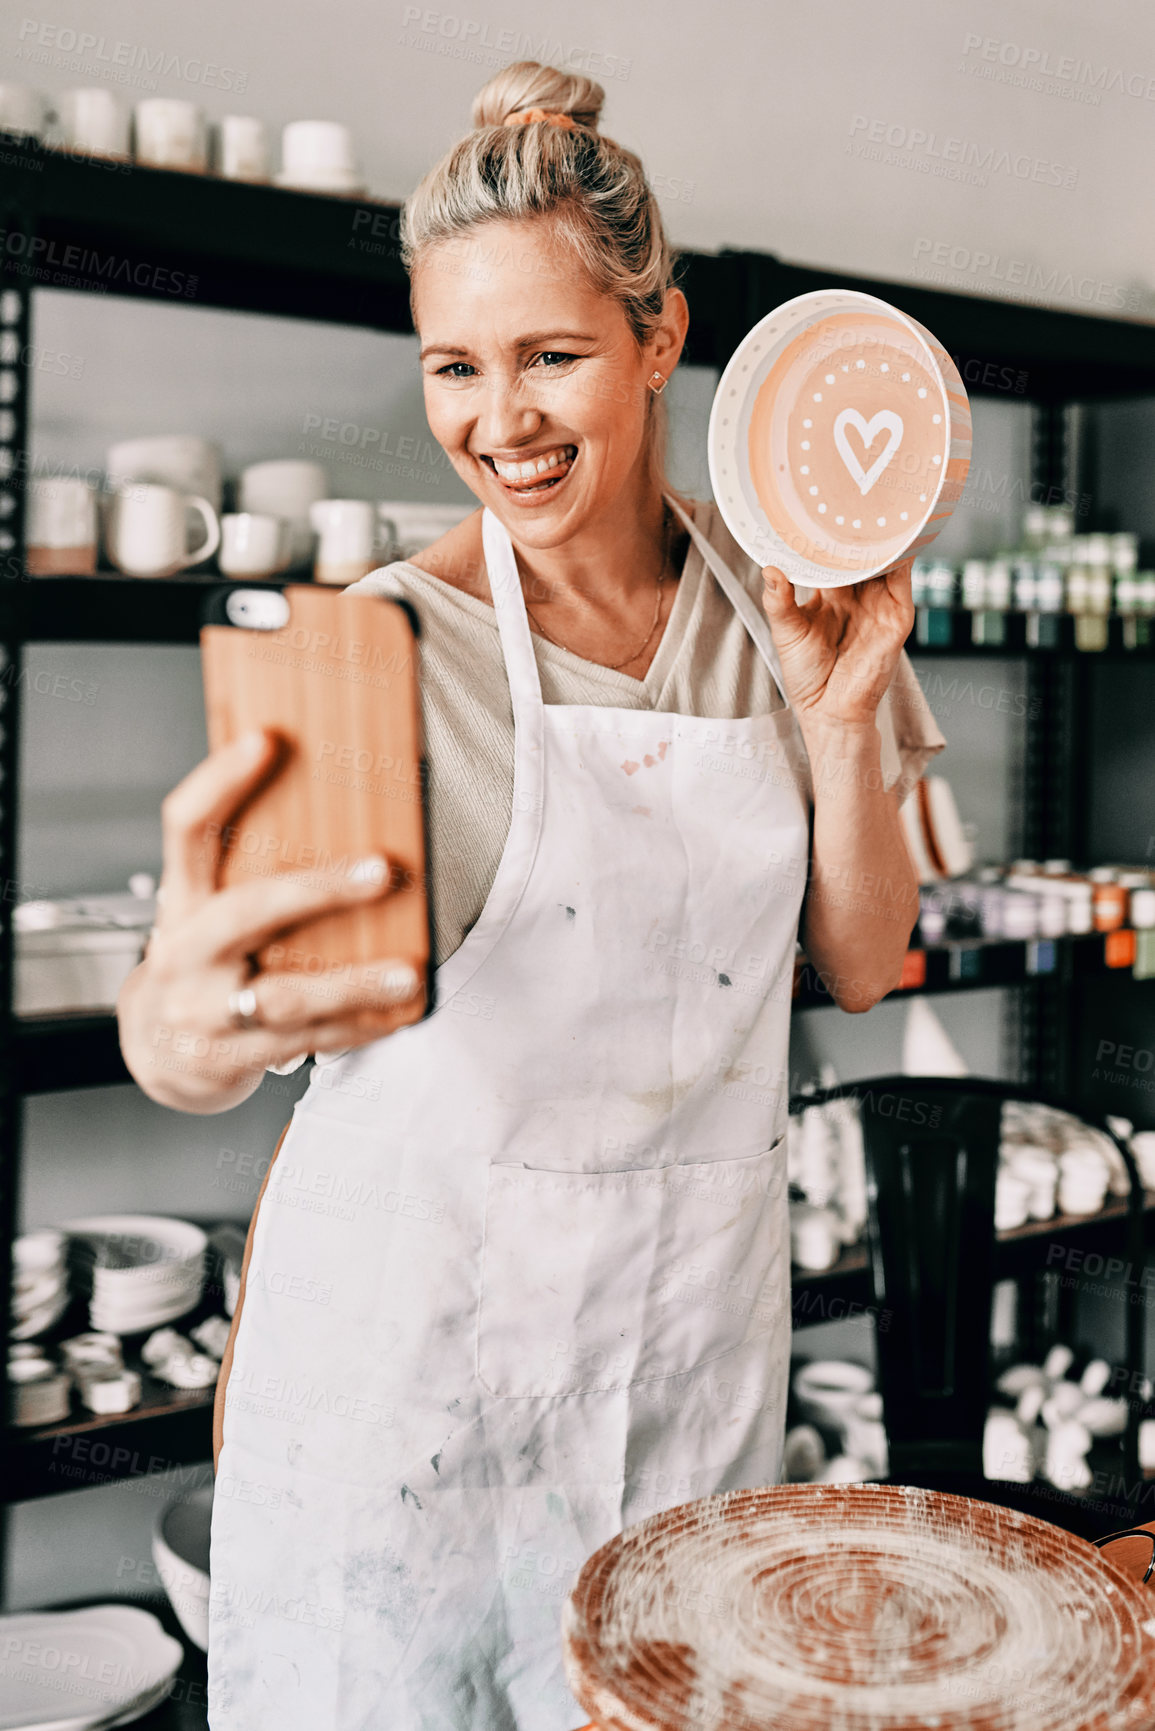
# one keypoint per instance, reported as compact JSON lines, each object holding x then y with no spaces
{"x":593,"y":191}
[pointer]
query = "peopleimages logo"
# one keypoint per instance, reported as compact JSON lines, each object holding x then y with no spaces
{"x":932,"y":152}
{"x":1066,"y":69}
{"x":941,"y":260}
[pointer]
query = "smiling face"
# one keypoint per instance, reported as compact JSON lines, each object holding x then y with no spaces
{"x":535,"y":385}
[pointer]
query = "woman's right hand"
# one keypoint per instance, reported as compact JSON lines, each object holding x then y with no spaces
{"x":176,"y":1033}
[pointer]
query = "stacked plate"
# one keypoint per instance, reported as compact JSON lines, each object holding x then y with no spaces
{"x":137,"y":1270}
{"x":83,"y":1670}
{"x":40,"y":1290}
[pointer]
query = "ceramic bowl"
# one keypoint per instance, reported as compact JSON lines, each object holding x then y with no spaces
{"x":180,"y":1550}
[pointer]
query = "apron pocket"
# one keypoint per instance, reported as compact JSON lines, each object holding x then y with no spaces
{"x":592,"y":1282}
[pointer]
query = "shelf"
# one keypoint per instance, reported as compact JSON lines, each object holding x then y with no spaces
{"x":55,"y":1053}
{"x":845,"y":1289}
{"x":972,"y":964}
{"x":170,"y":1428}
{"x":195,"y":239}
{"x":952,"y":629}
{"x":109,"y":608}
{"x":67,"y":1051}
{"x":1005,"y":349}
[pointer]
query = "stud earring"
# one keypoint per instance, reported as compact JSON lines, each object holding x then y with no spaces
{"x":657,"y":382}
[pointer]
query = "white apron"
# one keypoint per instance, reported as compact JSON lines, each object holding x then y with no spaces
{"x":521,"y":1274}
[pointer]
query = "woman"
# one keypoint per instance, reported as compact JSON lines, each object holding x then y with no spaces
{"x":545,"y":1230}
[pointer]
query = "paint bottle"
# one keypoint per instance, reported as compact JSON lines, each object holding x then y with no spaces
{"x":1142,"y":908}
{"x":1108,"y":899}
{"x":1092,"y":629}
{"x":1020,"y":914}
{"x":1142,"y":914}
{"x":989,"y":624}
{"x":1043,"y":628}
{"x":1025,"y":584}
{"x":1124,"y":553}
{"x":1060,"y":521}
{"x":934,"y":621}
{"x":1129,"y":598}
{"x":1136,"y":883}
{"x":1036,"y":528}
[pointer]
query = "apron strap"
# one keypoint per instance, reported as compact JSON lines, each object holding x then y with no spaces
{"x":738,"y":596}
{"x":512,"y":620}
{"x":520,"y":667}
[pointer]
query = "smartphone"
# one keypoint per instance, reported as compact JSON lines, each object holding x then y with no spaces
{"x":336,"y":678}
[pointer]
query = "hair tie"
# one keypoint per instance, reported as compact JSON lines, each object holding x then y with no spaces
{"x":526,"y":116}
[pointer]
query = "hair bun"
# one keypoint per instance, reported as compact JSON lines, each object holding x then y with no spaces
{"x":528,"y":84}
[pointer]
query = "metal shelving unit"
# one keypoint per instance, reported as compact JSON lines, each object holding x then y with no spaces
{"x":148,"y":233}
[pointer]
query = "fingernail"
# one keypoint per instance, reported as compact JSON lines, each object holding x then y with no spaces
{"x":252,"y":743}
{"x":370,"y":872}
{"x":398,"y":983}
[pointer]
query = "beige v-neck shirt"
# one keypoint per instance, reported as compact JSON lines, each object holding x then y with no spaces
{"x":706,"y":665}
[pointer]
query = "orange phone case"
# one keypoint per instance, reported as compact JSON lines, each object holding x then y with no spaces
{"x":339,"y":685}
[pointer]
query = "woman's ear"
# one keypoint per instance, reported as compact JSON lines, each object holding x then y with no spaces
{"x":666,"y":342}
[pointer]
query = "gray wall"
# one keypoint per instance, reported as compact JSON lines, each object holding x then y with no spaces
{"x":756,"y":122}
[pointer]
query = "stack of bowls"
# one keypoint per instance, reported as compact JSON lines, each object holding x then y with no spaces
{"x":138,"y":1270}
{"x":40,"y":1291}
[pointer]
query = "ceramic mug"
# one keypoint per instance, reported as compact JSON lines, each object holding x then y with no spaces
{"x":241,"y":148}
{"x":60,"y":537}
{"x":147,"y":530}
{"x":285,"y":487}
{"x":170,"y":133}
{"x":181,"y":460}
{"x":93,"y":122}
{"x":253,"y":545}
{"x":350,"y":540}
{"x":318,"y":155}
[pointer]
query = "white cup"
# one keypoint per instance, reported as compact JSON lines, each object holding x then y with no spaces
{"x":408,"y":528}
{"x":147,"y":530}
{"x":169,"y":133}
{"x":814,"y":1241}
{"x":241,"y":148}
{"x":92,"y":120}
{"x":60,"y":533}
{"x":319,"y":155}
{"x":285,"y":487}
{"x":1012,"y":1201}
{"x":23,"y":110}
{"x":181,"y":460}
{"x":350,"y":543}
{"x":253,"y":545}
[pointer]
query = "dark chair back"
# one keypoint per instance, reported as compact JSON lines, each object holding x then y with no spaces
{"x":932,"y":1151}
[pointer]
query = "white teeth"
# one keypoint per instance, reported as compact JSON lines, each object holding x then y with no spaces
{"x":534,"y":466}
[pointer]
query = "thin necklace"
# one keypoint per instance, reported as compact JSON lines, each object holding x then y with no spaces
{"x":616,"y":666}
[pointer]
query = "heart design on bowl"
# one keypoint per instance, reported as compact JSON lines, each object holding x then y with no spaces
{"x":885,"y":421}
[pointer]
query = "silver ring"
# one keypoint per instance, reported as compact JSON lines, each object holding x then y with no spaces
{"x":243,"y":1008}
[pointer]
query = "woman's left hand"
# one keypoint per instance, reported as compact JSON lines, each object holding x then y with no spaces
{"x":839,"y":650}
